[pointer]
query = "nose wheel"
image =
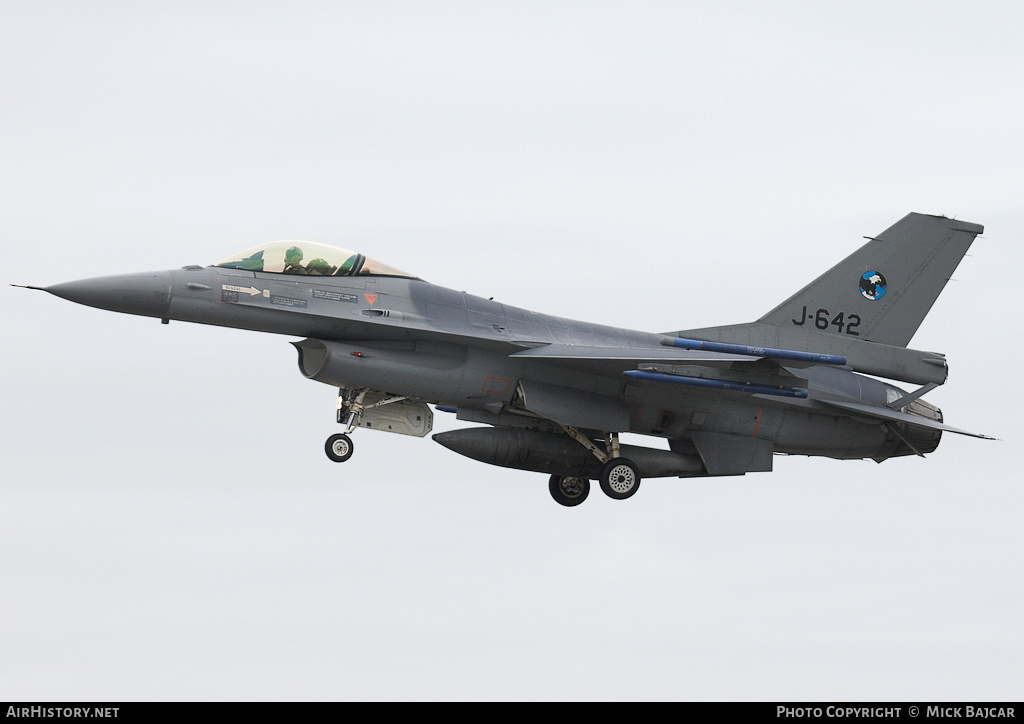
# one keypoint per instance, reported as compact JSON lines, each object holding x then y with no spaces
{"x":350,"y":408}
{"x":338,"y":447}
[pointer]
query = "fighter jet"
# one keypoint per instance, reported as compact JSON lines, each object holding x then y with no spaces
{"x":554,"y":394}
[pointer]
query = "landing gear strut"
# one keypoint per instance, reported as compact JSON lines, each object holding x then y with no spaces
{"x":339,"y":447}
{"x":619,"y":476}
{"x":352,"y":404}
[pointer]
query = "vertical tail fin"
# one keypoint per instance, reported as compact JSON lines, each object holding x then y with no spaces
{"x":882,"y":292}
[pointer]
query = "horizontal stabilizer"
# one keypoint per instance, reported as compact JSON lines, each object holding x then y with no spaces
{"x":888,"y":415}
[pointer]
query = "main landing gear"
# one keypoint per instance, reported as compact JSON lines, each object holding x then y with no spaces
{"x":619,"y":476}
{"x":569,"y":490}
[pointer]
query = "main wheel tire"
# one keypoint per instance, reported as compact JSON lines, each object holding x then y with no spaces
{"x":619,"y":478}
{"x":338,"y":447}
{"x":569,"y":490}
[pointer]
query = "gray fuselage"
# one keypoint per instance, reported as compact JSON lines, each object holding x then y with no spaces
{"x":409,"y":337}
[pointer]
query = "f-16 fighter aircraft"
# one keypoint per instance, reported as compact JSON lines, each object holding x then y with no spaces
{"x":554,"y":394}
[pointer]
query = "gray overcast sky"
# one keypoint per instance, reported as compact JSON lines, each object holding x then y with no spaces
{"x":169,"y":525}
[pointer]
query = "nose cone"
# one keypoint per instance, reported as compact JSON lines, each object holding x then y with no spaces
{"x":147,"y":294}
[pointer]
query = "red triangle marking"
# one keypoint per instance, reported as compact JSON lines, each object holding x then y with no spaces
{"x":371,"y":298}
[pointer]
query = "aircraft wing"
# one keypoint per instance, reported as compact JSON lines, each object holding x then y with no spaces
{"x":619,"y":359}
{"x":709,"y":365}
{"x":885,"y":414}
{"x":678,"y":351}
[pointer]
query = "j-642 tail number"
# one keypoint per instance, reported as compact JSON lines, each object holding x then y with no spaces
{"x":844,"y":322}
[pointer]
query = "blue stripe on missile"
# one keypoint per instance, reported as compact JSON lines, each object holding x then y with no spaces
{"x":813,"y":357}
{"x":750,"y":389}
{"x":445,"y":408}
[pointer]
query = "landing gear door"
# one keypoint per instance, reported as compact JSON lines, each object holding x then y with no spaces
{"x":403,"y":417}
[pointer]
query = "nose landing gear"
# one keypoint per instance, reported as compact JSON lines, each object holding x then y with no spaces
{"x":376,"y":410}
{"x":339,"y":447}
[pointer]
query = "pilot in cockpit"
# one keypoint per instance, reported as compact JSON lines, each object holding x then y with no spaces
{"x":320,"y":267}
{"x":293,"y":261}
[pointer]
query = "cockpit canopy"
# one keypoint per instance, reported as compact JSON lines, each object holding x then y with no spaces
{"x":310,"y":258}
